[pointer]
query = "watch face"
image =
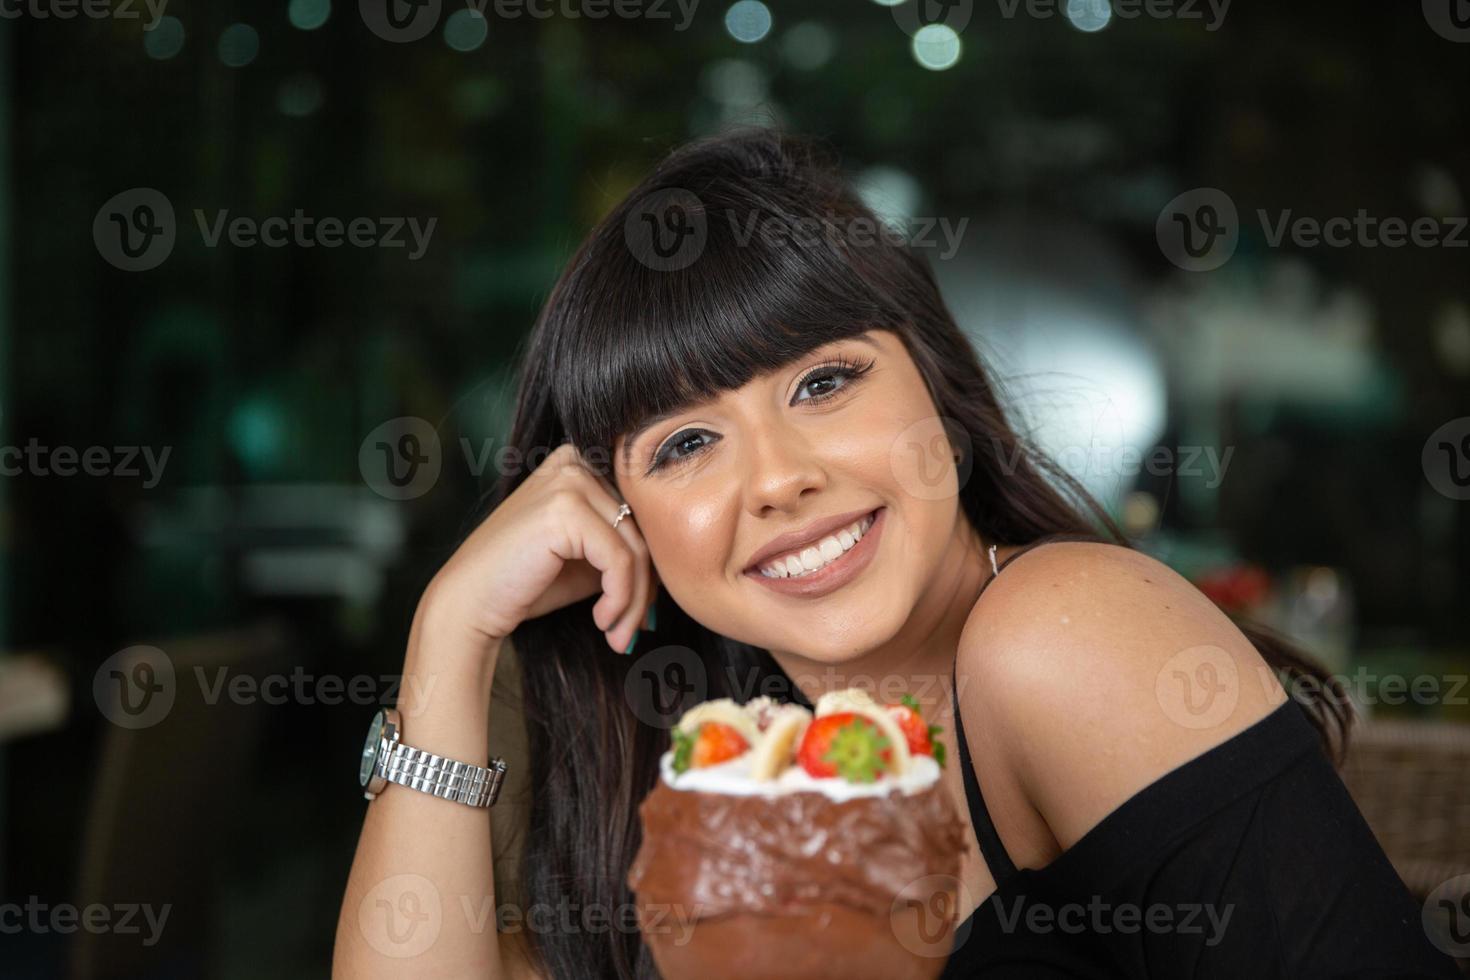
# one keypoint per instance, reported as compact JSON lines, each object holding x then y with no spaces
{"x":370,"y":748}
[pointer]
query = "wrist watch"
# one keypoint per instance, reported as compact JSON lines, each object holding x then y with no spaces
{"x":385,"y":759}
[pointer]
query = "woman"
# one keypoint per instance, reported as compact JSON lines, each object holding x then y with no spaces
{"x":732,"y":366}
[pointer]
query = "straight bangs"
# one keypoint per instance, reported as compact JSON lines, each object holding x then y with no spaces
{"x":773,"y":281}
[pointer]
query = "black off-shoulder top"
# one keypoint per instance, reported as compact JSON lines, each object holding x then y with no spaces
{"x":1249,"y":862}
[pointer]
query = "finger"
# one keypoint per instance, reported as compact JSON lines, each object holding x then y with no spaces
{"x":627,"y":619}
{"x":618,"y":616}
{"x":587,"y":536}
{"x":631,"y":618}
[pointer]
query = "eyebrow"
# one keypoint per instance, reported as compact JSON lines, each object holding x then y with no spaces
{"x":664,"y":416}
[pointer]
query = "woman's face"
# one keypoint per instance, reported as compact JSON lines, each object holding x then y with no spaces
{"x":748,"y":501}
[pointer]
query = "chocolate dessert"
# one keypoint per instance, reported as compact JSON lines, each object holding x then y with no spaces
{"x":778,"y":843}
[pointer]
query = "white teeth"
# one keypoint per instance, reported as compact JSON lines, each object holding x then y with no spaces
{"x":815,"y":556}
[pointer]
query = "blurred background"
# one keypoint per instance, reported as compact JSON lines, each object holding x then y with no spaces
{"x":245,"y":246}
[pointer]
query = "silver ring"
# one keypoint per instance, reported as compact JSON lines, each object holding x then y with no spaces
{"x":623,"y":512}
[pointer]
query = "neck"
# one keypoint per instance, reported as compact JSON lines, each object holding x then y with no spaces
{"x":919,"y":659}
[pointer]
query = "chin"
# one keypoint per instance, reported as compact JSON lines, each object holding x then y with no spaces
{"x":834,"y":647}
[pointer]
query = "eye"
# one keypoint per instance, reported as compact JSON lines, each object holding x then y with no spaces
{"x":681,"y":446}
{"x":821,"y":383}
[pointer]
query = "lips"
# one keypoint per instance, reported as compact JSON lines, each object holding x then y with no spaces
{"x":803,"y":537}
{"x":834,"y":573}
{"x":819,"y":554}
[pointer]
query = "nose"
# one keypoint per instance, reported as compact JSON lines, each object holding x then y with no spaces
{"x":782,"y":468}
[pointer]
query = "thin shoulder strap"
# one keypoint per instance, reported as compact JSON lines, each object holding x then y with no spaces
{"x":1002,"y":868}
{"x":1048,"y":539}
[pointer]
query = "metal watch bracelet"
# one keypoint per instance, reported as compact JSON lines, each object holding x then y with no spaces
{"x":441,"y":777}
{"x":386,"y":759}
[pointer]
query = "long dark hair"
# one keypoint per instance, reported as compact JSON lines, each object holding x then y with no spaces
{"x":631,"y":329}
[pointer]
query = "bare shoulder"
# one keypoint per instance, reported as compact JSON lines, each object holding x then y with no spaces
{"x":1091,"y":670}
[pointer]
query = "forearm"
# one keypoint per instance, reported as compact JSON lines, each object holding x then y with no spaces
{"x":420,"y":897}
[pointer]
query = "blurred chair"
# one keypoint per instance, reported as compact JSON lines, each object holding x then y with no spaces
{"x":166,"y":800}
{"x":33,"y":695}
{"x":1412,"y":781}
{"x":34,"y":699}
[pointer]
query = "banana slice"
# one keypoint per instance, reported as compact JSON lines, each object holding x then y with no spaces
{"x":726,"y":712}
{"x":773,"y":753}
{"x":847,"y":699}
{"x":860,"y":702}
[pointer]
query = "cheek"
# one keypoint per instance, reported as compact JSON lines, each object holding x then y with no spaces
{"x":685,"y":537}
{"x":922,"y":461}
{"x":861,"y":448}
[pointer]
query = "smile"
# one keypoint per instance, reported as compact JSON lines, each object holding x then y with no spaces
{"x":804,"y":561}
{"x":824,"y":565}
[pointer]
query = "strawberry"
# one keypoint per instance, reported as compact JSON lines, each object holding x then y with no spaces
{"x":844,"y":744}
{"x":712,"y":744}
{"x":921,"y":737}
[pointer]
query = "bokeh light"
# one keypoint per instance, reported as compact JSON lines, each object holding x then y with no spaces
{"x":936,"y":47}
{"x":238,"y":45}
{"x":299,"y":96}
{"x":466,"y":30}
{"x":165,"y":40}
{"x":808,"y":46}
{"x":1089,"y":16}
{"x":748,"y":21}
{"x":308,"y":15}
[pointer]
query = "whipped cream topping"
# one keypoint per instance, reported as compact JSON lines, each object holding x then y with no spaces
{"x":733,"y":778}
